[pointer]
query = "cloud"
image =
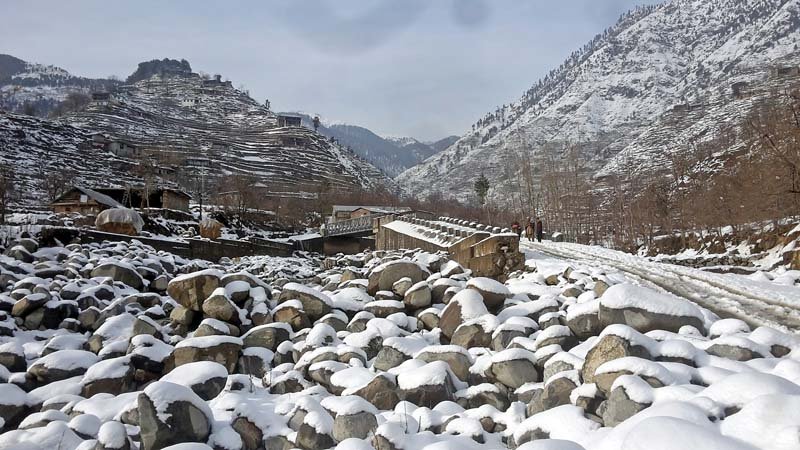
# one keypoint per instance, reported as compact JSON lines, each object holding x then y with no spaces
{"x":470,"y":13}
{"x":321,"y":23}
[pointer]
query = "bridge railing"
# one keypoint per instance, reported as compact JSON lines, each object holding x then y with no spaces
{"x":351,"y":226}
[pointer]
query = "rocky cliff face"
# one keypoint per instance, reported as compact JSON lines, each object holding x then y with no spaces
{"x":613,"y":95}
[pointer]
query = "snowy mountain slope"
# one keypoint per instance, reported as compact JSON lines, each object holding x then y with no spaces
{"x":36,"y":148}
{"x":612,"y":90}
{"x":210,"y":122}
{"x":41,"y":87}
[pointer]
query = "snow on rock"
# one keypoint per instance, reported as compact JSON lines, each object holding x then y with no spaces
{"x":646,"y":310}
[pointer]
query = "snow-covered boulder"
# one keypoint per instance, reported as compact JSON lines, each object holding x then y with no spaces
{"x":192,"y":289}
{"x":221,"y":349}
{"x":354,"y":417}
{"x":119,"y":221}
{"x":119,"y":271}
{"x":382,"y":277}
{"x":645,"y":309}
{"x":427,"y":385}
{"x":210,"y":228}
{"x":204,"y":378}
{"x":267,"y":336}
{"x":513,"y":368}
{"x":112,"y":436}
{"x":315,"y":303}
{"x":171,"y":414}
{"x":13,"y":405}
{"x":61,"y":365}
{"x":417,"y":296}
{"x":465,"y":305}
{"x":617,"y":342}
{"x":493,"y":292}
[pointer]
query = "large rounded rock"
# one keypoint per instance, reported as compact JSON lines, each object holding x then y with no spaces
{"x":454,"y":355}
{"x":13,"y":406}
{"x":192,"y":289}
{"x":316,"y":304}
{"x":119,"y":221}
{"x":621,"y":405}
{"x":112,"y":376}
{"x":584,"y":319}
{"x":493,"y":292}
{"x":428,"y":385}
{"x":61,"y":365}
{"x":29,"y":303}
{"x":514,"y":367}
{"x":204,"y":378}
{"x":418,"y":296}
{"x":112,"y":435}
{"x":354,"y":417}
{"x":119,"y":271}
{"x":556,"y":392}
{"x":220,"y":349}
{"x":609,"y":348}
{"x":219,"y":306}
{"x":268,"y":336}
{"x":383,"y":277}
{"x":171,"y":414}
{"x":465,"y":305}
{"x":380,"y":391}
{"x":646,"y":310}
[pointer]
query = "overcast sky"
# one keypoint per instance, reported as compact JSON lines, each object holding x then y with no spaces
{"x":421,"y":68}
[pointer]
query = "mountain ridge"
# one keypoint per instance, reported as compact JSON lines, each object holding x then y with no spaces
{"x":616,"y":86}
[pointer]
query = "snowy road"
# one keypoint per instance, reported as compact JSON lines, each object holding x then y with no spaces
{"x":754,"y":301}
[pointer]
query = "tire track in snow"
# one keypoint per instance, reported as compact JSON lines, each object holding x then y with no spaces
{"x":723,"y":300}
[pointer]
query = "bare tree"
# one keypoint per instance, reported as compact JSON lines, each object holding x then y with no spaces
{"x":7,"y":189}
{"x":57,"y":182}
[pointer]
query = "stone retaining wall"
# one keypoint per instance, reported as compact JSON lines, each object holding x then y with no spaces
{"x":191,"y":248}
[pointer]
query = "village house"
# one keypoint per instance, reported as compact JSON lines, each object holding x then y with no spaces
{"x":84,"y":201}
{"x":344,"y":212}
{"x":741,"y":90}
{"x":289,"y":120}
{"x":190,"y":102}
{"x":123,"y":148}
{"x":102,"y":98}
{"x":785,"y":71}
{"x":161,"y":197}
{"x":217,"y":81}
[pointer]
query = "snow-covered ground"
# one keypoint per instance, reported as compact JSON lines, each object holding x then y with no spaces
{"x":757,"y":299}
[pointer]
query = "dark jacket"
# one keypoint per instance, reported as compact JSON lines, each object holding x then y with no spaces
{"x":538,"y":226}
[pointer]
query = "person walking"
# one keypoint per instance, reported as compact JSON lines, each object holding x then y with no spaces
{"x":539,"y":230}
{"x":516,"y":228}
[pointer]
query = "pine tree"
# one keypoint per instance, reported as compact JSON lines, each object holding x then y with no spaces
{"x":482,"y":188}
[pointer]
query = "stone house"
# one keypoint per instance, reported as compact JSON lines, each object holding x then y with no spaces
{"x":123,"y":148}
{"x":289,"y":120}
{"x":84,"y":201}
{"x":162,"y":197}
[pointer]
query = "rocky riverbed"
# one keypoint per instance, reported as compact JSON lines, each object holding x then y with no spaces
{"x":117,"y":346}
